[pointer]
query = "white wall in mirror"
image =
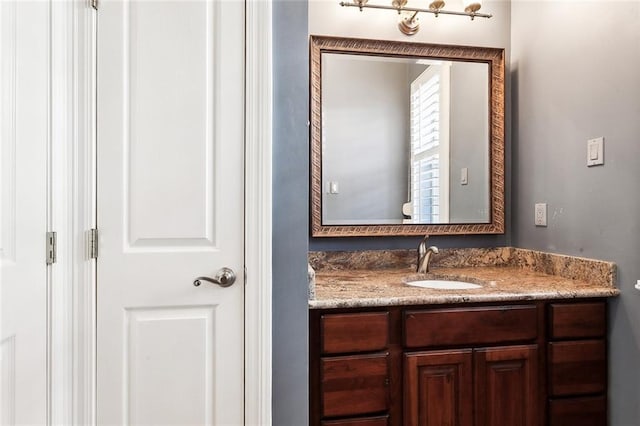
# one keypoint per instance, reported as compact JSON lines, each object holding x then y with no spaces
{"x":469,"y":202}
{"x":365,"y":138}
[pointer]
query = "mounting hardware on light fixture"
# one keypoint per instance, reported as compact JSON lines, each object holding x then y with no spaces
{"x":360,"y":3}
{"x":409,"y":23}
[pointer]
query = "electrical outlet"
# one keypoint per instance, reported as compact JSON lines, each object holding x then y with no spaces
{"x":541,"y":214}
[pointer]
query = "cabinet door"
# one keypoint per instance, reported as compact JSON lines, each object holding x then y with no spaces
{"x":506,"y":380}
{"x":437,"y":388}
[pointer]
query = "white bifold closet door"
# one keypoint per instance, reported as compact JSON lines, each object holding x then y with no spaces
{"x":24,"y":138}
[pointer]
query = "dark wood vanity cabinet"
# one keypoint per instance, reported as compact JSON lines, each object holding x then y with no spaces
{"x":492,"y":380}
{"x":516,"y":364}
{"x":484,"y":387}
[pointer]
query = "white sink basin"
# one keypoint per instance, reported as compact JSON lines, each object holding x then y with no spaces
{"x":444,"y":285}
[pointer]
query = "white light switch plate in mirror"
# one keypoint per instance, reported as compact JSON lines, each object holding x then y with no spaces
{"x":595,"y":152}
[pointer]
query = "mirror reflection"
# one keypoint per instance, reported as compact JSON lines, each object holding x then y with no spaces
{"x":404,"y":140}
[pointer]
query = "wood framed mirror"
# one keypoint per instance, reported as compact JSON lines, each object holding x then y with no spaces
{"x":406,"y":138}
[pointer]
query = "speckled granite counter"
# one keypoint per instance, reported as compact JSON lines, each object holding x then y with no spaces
{"x":377,"y":278}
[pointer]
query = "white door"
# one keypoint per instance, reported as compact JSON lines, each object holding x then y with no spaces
{"x":24,"y":101}
{"x":170,"y":209}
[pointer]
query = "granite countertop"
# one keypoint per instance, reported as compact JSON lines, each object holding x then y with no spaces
{"x":506,"y":274}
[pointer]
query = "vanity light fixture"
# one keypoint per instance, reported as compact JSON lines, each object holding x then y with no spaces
{"x":409,"y":23}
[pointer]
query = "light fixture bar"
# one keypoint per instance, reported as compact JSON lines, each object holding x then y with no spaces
{"x":409,"y":23}
{"x":414,"y":9}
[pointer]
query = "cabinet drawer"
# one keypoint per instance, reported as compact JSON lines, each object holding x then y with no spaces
{"x":577,"y":368}
{"x":470,"y":326}
{"x":362,"y":332}
{"x":354,"y":385}
{"x":579,"y":320}
{"x":362,"y":421}
{"x":590,"y":411}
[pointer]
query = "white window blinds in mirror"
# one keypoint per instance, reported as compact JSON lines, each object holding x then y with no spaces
{"x":429,"y":172}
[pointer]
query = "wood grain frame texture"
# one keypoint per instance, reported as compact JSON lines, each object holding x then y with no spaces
{"x":494,"y":57}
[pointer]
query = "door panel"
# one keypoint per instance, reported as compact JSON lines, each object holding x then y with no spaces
{"x":169,"y":114}
{"x":170,"y":209}
{"x":438,"y":388}
{"x":157,"y":337}
{"x":506,"y":380}
{"x":24,"y":100}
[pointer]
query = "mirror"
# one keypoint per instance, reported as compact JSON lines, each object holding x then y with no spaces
{"x":406,"y":138}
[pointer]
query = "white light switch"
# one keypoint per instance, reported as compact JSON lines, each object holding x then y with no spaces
{"x":464,"y":176}
{"x":595,"y":152}
{"x":333,"y":187}
{"x":541,"y":214}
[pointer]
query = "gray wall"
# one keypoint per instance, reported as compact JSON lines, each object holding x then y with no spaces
{"x":329,"y":18}
{"x":577,"y":76}
{"x":365,"y":115}
{"x":290,"y":212}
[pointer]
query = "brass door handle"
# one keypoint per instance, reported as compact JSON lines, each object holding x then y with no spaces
{"x":225,"y":277}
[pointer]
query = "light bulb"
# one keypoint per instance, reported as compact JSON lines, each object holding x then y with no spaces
{"x":436,"y":4}
{"x":472,"y":6}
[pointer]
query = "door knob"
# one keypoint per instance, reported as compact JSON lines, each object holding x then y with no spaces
{"x":225,"y":277}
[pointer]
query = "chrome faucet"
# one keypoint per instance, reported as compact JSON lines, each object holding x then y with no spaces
{"x":424,"y":255}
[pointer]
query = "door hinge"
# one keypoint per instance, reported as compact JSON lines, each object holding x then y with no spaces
{"x":51,"y":248}
{"x":94,"y":4}
{"x":93,"y":243}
